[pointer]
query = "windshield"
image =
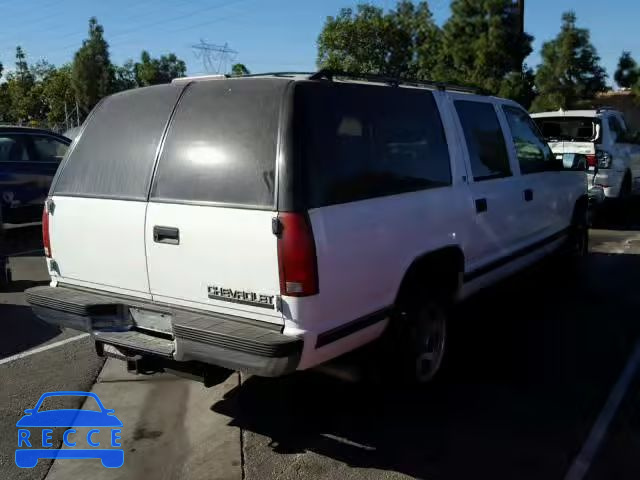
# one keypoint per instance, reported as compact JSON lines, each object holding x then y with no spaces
{"x":570,"y":129}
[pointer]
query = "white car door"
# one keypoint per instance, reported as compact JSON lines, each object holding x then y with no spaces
{"x":493,"y":182}
{"x":542,"y":176}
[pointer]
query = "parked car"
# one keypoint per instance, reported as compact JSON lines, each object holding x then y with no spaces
{"x":272,"y":223}
{"x":600,"y":138}
{"x":29,"y":159}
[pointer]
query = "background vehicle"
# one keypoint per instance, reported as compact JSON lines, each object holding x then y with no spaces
{"x":601,"y":138}
{"x":288,"y":219}
{"x":29,"y":159}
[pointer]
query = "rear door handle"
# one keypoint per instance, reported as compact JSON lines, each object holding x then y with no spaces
{"x":481,"y":205}
{"x":528,"y":195}
{"x":170,"y":235}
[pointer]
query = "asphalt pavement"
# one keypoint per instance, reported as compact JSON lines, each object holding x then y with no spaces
{"x":70,"y":366}
{"x":531,"y":365}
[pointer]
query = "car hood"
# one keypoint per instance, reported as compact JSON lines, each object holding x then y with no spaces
{"x":69,"y":418}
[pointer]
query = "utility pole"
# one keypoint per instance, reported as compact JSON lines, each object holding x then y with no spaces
{"x":215,"y":58}
{"x":66,"y":116}
{"x":521,"y":15}
{"x":77,"y":113}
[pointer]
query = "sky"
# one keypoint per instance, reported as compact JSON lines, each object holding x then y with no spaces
{"x":268,"y":35}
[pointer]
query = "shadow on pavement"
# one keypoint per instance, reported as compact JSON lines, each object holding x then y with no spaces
{"x":531,"y":364}
{"x":21,"y":329}
{"x":617,"y":214}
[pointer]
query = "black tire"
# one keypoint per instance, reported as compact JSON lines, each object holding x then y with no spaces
{"x":626,"y":187}
{"x":578,"y":242}
{"x":415,"y":344}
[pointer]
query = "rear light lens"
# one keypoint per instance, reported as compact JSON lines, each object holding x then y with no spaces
{"x":592,"y":161}
{"x":604,"y":159}
{"x":46,"y":240}
{"x":297,"y":256}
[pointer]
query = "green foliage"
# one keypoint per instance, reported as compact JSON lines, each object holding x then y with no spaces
{"x":239,"y":69}
{"x":519,"y":86}
{"x":125,"y":76}
{"x":423,"y":47}
{"x":153,"y":71}
{"x":627,"y":73}
{"x":479,"y":45}
{"x":570,"y":69}
{"x":482,"y":44}
{"x":23,"y":100}
{"x":92,"y":74}
{"x":57,"y":89}
{"x":41,"y":93}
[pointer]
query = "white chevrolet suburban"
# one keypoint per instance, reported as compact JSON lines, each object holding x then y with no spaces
{"x":271,"y":223}
{"x":601,"y":139}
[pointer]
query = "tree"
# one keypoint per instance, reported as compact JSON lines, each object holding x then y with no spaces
{"x":425,"y":38}
{"x":239,"y":69}
{"x":57,"y":89}
{"x":125,"y":76}
{"x":482,"y":44}
{"x":92,"y":73}
{"x":24,"y":103}
{"x":519,"y":86}
{"x":365,"y":41}
{"x":627,"y":74}
{"x":570,"y":69}
{"x":153,"y":71}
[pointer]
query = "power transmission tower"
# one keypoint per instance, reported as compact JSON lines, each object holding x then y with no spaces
{"x":215,"y":58}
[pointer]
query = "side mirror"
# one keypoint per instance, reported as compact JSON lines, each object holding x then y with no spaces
{"x":29,"y":411}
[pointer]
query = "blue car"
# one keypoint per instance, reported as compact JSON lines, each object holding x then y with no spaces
{"x":29,"y":159}
{"x":105,"y":418}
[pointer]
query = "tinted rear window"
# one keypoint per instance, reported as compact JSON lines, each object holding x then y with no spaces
{"x":569,"y":129}
{"x":114,"y":157}
{"x":221,"y":145}
{"x":357,"y":142}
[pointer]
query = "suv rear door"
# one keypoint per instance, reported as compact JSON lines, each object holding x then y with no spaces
{"x":97,"y":217}
{"x":209,"y":238}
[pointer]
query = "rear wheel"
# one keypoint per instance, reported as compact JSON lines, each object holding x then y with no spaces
{"x":415,"y":343}
{"x":626,"y":187}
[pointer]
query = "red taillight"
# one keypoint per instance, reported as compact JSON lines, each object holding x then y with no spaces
{"x":297,"y":256}
{"x":592,"y":161}
{"x":46,"y":240}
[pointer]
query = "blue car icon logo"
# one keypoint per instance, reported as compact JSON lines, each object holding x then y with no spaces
{"x":28,"y":453}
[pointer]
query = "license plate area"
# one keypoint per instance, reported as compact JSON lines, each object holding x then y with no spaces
{"x":152,"y":321}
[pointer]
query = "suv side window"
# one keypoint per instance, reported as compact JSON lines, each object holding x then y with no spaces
{"x":485,"y":140}
{"x":357,"y":142}
{"x":534,"y":154}
{"x":48,"y":149}
{"x":13,"y":149}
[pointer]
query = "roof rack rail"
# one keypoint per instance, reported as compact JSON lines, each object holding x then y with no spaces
{"x":330,"y":75}
{"x":195,"y":78}
{"x":271,"y":74}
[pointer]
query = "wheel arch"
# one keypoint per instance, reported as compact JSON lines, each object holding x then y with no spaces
{"x":441,"y":269}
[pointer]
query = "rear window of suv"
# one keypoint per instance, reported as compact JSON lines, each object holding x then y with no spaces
{"x":221,"y":145}
{"x":570,"y":129}
{"x":115,"y":153}
{"x":359,"y":141}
